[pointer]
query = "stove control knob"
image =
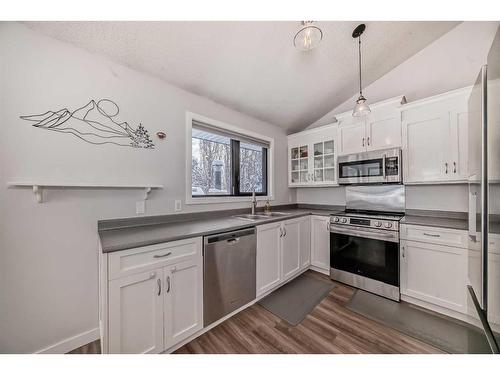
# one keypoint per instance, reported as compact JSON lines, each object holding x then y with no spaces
{"x":336,"y":219}
{"x":388,"y":225}
{"x":378,"y":224}
{"x":344,"y":220}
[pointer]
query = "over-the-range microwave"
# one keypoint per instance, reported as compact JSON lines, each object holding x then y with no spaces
{"x":373,"y":167}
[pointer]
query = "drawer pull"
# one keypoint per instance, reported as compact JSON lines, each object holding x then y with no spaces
{"x":432,"y":235}
{"x":162,"y":255}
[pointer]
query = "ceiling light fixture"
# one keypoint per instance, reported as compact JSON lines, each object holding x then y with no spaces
{"x":361,"y":108}
{"x":308,"y":36}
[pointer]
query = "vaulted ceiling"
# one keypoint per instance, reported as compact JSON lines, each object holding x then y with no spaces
{"x":253,"y":67}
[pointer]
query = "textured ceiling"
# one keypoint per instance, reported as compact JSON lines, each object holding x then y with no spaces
{"x":253,"y":67}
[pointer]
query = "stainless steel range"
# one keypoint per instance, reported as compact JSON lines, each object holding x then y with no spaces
{"x":364,"y":240}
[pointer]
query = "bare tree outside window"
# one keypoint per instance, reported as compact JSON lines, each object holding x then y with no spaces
{"x":211,"y":166}
{"x":213,"y":172}
{"x":251,"y":176}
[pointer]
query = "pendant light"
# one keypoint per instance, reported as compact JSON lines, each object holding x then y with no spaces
{"x":308,"y":36}
{"x":361,"y":108}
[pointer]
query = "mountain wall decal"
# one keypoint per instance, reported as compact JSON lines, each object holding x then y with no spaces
{"x":94,"y":123}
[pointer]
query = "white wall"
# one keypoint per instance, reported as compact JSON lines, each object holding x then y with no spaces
{"x":49,"y":251}
{"x":450,"y":62}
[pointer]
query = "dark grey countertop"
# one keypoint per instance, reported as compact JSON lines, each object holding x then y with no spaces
{"x":122,"y":234}
{"x":441,"y":222}
{"x":446,"y":219}
{"x":439,"y":219}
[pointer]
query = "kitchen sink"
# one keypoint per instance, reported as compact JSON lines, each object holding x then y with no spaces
{"x":262,"y":216}
{"x":252,"y":217}
{"x":275,"y":214}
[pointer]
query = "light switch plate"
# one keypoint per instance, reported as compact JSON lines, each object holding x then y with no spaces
{"x":178,"y":205}
{"x":140,"y":207}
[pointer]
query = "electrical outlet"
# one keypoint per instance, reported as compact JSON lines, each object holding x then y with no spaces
{"x":178,"y":205}
{"x":140,"y":207}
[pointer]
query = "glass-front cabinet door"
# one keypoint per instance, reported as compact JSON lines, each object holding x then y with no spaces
{"x":324,"y":161}
{"x":312,"y":157}
{"x":299,"y":167}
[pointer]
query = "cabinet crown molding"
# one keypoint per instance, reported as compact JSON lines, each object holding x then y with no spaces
{"x":463,"y":91}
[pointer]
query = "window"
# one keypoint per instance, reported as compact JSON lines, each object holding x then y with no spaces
{"x":226,"y":163}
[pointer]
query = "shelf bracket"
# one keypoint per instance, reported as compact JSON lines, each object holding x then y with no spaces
{"x":37,"y":191}
{"x":146,"y":192}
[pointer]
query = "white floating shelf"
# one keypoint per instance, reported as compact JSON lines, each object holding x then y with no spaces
{"x":38,"y":187}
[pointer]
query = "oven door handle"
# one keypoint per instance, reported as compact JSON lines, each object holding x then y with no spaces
{"x":390,"y":236}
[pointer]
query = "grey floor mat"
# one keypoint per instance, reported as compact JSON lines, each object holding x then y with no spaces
{"x":293,"y":301}
{"x":448,"y":334}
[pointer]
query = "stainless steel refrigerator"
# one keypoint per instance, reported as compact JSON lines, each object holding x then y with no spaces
{"x":484,"y":197}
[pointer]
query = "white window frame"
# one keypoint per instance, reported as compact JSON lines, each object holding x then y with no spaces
{"x":190,"y":116}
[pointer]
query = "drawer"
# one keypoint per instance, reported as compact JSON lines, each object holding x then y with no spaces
{"x":127,"y":262}
{"x":440,"y":236}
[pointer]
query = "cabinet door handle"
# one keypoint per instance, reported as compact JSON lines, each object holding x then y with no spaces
{"x":284,"y":232}
{"x":158,"y":281}
{"x":168,"y":284}
{"x":432,"y":235}
{"x":162,"y":255}
{"x":446,"y":168}
{"x":368,"y":141}
{"x":454,"y":167}
{"x":363,"y":142}
{"x":403,"y":253}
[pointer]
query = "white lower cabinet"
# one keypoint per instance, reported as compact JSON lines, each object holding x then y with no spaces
{"x":268,"y":257}
{"x":283,"y":250}
{"x":320,"y":242}
{"x":290,"y":247}
{"x":136,"y":313}
{"x":305,"y":241}
{"x":183,"y":301}
{"x":159,"y":305}
{"x":434,"y":273}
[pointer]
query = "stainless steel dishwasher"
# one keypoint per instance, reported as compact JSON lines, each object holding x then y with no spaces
{"x":228,"y":272}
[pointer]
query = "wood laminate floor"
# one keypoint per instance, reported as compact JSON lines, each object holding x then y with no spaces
{"x":329,"y":328}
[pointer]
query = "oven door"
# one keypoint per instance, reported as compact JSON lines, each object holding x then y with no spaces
{"x":367,"y":252}
{"x":370,"y":167}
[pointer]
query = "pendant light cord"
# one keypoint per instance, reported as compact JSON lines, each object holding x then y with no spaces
{"x":359,"y":54}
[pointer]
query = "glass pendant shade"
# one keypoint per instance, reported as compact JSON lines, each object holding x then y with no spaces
{"x":308,"y":36}
{"x":361,"y":108}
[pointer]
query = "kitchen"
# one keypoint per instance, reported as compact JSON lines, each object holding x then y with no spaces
{"x":157,"y":200}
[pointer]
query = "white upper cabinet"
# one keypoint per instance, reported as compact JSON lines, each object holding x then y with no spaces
{"x":435,"y":138}
{"x":312,"y":157}
{"x":352,"y":136}
{"x":379,"y":130}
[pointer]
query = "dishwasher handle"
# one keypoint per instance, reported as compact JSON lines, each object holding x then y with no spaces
{"x":230,"y":237}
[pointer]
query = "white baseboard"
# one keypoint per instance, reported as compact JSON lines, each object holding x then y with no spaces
{"x":320,"y":270}
{"x":71,"y":343}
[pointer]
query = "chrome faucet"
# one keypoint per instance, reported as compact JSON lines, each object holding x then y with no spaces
{"x":254,"y":203}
